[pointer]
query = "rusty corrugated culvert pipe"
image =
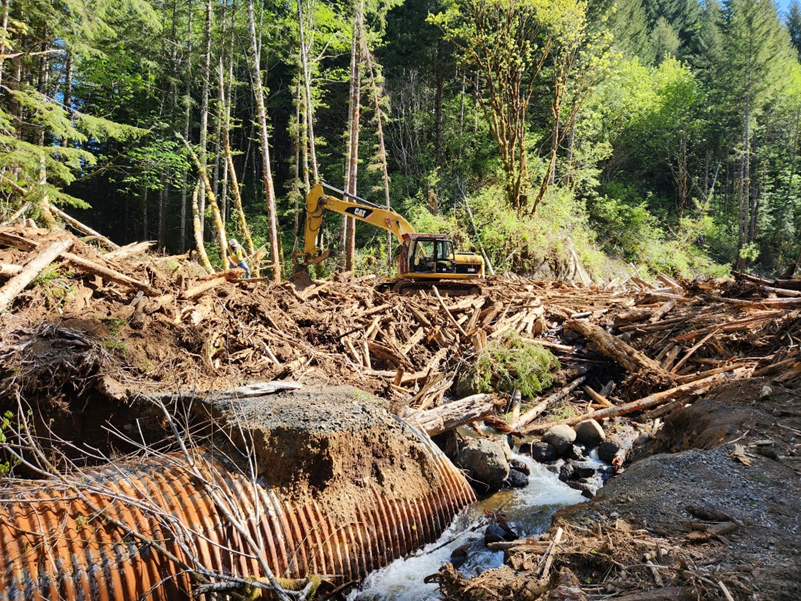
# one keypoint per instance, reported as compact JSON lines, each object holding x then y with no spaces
{"x":338,"y":497}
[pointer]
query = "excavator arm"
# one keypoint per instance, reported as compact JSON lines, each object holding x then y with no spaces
{"x":317,"y":201}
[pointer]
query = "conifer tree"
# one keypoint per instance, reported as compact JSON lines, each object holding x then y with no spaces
{"x":44,"y":138}
{"x":757,"y":52}
{"x":793,"y":20}
{"x":629,"y":26}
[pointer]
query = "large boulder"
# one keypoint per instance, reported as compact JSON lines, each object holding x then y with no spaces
{"x":589,"y":433}
{"x":561,"y":436}
{"x":485,"y":461}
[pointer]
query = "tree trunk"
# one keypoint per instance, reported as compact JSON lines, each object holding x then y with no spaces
{"x":204,"y":112}
{"x":556,"y":113}
{"x":452,"y":415}
{"x":199,"y":245}
{"x":219,"y":226}
{"x":84,"y":228}
{"x":382,"y":151}
{"x":187,"y":119}
{"x":236,"y":197}
{"x":145,"y":232}
{"x":697,"y":387}
{"x":226,"y":100}
{"x":267,"y":176}
{"x":17,"y":284}
{"x":68,"y":76}
{"x":745,"y":189}
{"x":627,"y":356}
{"x":533,"y":413}
{"x":4,"y":33}
{"x":682,"y":178}
{"x":163,"y":193}
{"x":307,"y":99}
{"x":440,"y":85}
{"x":461,"y":115}
{"x":301,"y":149}
{"x":108,"y":274}
{"x":352,"y":156}
{"x":301,"y":164}
{"x":43,"y":202}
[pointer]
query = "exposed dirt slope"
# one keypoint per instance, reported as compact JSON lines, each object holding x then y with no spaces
{"x":726,"y":495}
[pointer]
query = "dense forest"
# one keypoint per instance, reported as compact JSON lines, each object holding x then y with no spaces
{"x":658,"y":134}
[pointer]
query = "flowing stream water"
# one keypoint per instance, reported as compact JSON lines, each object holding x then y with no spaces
{"x":530,"y":507}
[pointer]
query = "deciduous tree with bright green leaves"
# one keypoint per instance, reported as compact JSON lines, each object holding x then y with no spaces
{"x":519,"y":47}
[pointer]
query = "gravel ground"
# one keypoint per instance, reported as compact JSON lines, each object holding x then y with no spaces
{"x":743,"y":481}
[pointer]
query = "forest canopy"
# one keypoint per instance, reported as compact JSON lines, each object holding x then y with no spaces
{"x":658,"y":134}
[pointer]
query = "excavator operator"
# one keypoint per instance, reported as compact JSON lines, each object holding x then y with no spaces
{"x":423,"y":261}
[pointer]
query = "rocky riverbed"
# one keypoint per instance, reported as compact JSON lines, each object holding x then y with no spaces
{"x":708,"y":508}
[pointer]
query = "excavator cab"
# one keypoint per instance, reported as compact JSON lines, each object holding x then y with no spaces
{"x":432,"y":254}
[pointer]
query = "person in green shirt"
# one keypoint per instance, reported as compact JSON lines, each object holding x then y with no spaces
{"x":236,"y":257}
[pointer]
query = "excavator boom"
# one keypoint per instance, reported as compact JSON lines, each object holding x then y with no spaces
{"x":318,"y":201}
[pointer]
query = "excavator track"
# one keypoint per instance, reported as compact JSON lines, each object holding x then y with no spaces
{"x":445,"y":288}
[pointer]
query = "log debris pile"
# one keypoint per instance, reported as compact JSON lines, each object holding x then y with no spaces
{"x":637,"y":565}
{"x":159,"y":324}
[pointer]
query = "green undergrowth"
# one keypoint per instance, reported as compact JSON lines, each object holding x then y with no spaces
{"x":567,"y":238}
{"x":544,"y":245}
{"x":513,"y":362}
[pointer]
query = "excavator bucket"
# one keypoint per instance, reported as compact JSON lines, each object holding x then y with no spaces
{"x":301,"y":278}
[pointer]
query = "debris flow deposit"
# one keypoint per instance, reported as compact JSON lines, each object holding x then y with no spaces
{"x":169,"y":433}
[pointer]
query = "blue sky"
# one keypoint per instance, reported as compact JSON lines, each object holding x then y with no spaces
{"x":782,"y":4}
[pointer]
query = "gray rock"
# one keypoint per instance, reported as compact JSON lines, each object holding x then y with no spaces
{"x":513,"y":529}
{"x":543,"y":452}
{"x":520,"y":466}
{"x":583,"y":471}
{"x":575,"y":451}
{"x":589,"y":433}
{"x":486,"y":461}
{"x":587,"y":490}
{"x":607,"y":451}
{"x":460,"y":555}
{"x":516,"y":479}
{"x":560,"y":436}
{"x":494,"y":534}
{"x":502,"y":531}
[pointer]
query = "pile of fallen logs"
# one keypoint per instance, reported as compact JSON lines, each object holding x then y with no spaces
{"x":680,"y":340}
{"x":56,"y":247}
{"x":629,"y":347}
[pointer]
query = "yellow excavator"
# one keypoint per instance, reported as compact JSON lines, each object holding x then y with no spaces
{"x":424,"y":260}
